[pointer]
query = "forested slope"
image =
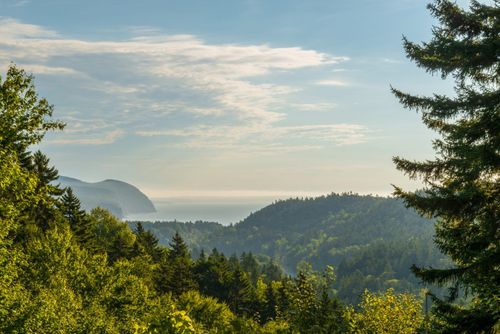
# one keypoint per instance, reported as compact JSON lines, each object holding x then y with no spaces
{"x":371,"y":241}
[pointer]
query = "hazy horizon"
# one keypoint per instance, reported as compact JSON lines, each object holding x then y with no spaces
{"x":183,"y":209}
{"x":222,"y":207}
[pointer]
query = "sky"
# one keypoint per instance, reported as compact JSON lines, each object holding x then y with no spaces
{"x":227,"y":98}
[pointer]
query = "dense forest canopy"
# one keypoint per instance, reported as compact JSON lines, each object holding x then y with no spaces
{"x":371,"y":241}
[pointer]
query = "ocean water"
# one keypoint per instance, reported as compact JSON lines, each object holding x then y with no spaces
{"x":215,"y":209}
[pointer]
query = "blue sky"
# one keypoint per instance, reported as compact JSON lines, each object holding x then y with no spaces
{"x":214,"y":98}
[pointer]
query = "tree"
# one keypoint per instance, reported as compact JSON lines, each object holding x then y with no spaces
{"x":461,"y":185}
{"x":213,"y":314}
{"x":181,"y":274}
{"x":214,"y":276}
{"x":303,"y":306}
{"x":44,"y":212}
{"x":250,"y":265}
{"x":77,"y":218}
{"x":148,"y":242}
{"x":272,"y":271}
{"x":386,"y":313}
{"x":241,"y":293}
{"x":48,"y":283}
{"x":17,"y":193}
{"x":24,"y":118}
{"x":312,"y":306}
{"x":111,"y":236}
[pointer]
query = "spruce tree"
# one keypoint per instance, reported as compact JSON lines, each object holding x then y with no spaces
{"x":303,"y":308}
{"x":181,"y":267}
{"x":461,"y":185}
{"x":45,"y":211}
{"x":269,"y":310}
{"x":214,"y":275}
{"x":148,"y":243}
{"x":71,"y":208}
{"x":241,"y":293}
{"x":78,"y":220}
{"x":250,"y":265}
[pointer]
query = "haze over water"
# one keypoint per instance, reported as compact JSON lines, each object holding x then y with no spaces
{"x":225,"y":210}
{"x":224,"y":207}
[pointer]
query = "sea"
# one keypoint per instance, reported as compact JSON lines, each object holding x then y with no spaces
{"x":225,"y":211}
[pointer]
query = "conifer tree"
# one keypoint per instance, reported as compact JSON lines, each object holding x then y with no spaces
{"x":148,"y":242}
{"x":272,"y":271}
{"x":268,"y":311}
{"x":250,"y":265}
{"x":78,"y":220}
{"x":181,"y":267}
{"x":46,"y":174}
{"x":120,"y":248}
{"x":71,"y":208}
{"x":241,"y":293}
{"x":303,"y":303}
{"x":461,"y":185}
{"x":214,"y":275}
{"x":38,"y":164}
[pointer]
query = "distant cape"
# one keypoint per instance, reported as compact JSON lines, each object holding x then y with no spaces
{"x":119,"y":197}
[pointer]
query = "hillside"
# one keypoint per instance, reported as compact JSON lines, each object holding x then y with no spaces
{"x":371,"y":241}
{"x":118,"y":197}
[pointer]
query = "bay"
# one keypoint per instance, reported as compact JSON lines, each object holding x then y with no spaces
{"x":224,"y":210}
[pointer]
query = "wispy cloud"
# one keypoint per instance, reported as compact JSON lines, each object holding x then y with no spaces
{"x":136,"y":84}
{"x":332,"y":82}
{"x":267,"y":138}
{"x":49,"y":70}
{"x":100,"y":139}
{"x":19,"y":3}
{"x":319,"y":106}
{"x":11,"y":29}
{"x":391,"y":61}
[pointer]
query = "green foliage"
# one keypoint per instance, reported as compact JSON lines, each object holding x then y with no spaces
{"x":71,"y":208}
{"x":173,"y":322}
{"x":250,"y":265}
{"x":24,"y":118}
{"x":111,"y":236}
{"x":462,"y":186}
{"x":215,"y":316}
{"x":387,"y":313}
{"x":180,"y":274}
{"x":311,"y":308}
{"x":22,"y":122}
{"x":372,"y":241}
{"x":16,"y":194}
{"x":80,"y":223}
{"x":65,"y":271}
{"x":241,"y":293}
{"x":213,"y":275}
{"x":147,"y":243}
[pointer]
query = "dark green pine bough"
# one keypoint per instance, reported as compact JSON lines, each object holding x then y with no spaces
{"x":462,"y":183}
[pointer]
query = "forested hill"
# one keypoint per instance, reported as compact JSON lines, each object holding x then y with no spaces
{"x":371,"y":241}
{"x":119,"y":197}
